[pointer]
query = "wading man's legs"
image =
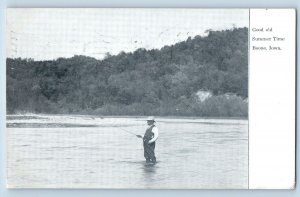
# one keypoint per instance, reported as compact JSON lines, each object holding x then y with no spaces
{"x":149,"y":153}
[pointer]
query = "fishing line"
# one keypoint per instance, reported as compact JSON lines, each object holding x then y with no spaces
{"x":129,"y":132}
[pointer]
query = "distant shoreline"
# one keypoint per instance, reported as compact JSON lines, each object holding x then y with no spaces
{"x":100,"y":116}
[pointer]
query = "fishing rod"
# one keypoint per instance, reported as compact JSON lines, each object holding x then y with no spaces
{"x":139,"y":136}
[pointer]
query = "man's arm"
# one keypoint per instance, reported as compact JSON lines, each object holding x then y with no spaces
{"x":155,"y":132}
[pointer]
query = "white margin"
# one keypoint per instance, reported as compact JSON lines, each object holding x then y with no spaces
{"x":272,"y":94}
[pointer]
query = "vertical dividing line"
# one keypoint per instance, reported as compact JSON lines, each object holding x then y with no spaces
{"x":248,"y":94}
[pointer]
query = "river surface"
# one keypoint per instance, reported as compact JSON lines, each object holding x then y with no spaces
{"x":63,"y":151}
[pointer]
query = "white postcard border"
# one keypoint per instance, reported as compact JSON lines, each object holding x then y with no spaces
{"x":272,"y":94}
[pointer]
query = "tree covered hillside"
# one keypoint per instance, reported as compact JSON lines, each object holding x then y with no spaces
{"x":145,"y":82}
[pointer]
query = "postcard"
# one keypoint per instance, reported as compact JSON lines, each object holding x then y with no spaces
{"x":140,"y":98}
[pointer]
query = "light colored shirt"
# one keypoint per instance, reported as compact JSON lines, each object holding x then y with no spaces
{"x":155,"y":132}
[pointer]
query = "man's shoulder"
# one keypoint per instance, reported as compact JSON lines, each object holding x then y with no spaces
{"x":154,"y":128}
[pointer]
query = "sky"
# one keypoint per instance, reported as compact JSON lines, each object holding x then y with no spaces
{"x":47,"y":34}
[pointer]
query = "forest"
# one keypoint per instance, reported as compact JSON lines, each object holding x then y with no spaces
{"x":203,"y":76}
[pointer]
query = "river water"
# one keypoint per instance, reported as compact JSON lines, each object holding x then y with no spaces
{"x":63,"y":151}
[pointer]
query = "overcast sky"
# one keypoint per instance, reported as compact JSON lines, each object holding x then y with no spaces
{"x":44,"y":34}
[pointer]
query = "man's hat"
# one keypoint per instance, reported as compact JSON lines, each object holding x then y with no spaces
{"x":151,"y":118}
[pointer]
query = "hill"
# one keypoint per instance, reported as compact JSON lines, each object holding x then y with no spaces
{"x":164,"y":81}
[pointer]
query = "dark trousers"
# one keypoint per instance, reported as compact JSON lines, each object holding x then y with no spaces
{"x":149,"y":153}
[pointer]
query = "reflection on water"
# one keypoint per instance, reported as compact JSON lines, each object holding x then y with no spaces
{"x":149,"y":172}
{"x":191,"y":153}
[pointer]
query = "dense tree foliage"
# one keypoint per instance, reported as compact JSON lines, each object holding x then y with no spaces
{"x":157,"y":82}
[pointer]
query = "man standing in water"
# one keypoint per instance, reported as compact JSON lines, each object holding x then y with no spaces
{"x":149,"y":139}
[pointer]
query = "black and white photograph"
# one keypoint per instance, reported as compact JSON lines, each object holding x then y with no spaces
{"x":127,"y":98}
